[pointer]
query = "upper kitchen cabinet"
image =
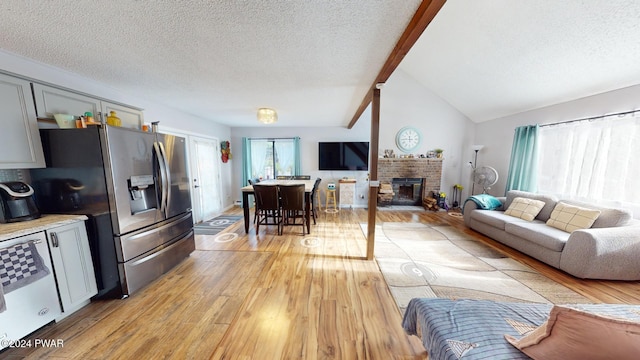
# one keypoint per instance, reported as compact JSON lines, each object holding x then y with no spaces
{"x":20,"y":146}
{"x":131,"y":118}
{"x":51,"y":100}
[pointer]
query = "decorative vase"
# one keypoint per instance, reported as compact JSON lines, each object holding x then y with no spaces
{"x":113,"y":119}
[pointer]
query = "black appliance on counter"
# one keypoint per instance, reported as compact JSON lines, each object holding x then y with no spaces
{"x":17,"y":203}
{"x":134,"y":188}
{"x":56,"y":195}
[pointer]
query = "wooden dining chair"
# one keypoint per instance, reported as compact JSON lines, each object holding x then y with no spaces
{"x":315,"y":200}
{"x":302,"y":177}
{"x":284,"y":177}
{"x":267,"y":206}
{"x":293,"y":206}
{"x":253,"y":182}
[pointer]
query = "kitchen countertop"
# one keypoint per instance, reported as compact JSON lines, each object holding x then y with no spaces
{"x":45,"y":222}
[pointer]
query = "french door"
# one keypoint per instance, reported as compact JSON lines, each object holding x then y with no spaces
{"x":206,"y":188}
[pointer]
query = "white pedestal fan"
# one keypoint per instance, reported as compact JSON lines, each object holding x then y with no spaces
{"x":485,"y":176}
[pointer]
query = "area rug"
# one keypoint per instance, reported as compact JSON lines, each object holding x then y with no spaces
{"x":418,"y":260}
{"x":215,"y":225}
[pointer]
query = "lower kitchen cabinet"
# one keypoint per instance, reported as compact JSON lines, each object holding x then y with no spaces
{"x":69,"y":247}
{"x":29,"y":304}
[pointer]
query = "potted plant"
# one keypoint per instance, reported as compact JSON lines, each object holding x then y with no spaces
{"x":438,"y":153}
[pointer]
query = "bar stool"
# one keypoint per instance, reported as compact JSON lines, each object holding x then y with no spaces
{"x":331,"y":205}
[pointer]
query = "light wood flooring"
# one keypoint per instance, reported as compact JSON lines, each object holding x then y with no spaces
{"x":270,"y":297}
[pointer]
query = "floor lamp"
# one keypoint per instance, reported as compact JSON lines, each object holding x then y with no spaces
{"x":475,"y":148}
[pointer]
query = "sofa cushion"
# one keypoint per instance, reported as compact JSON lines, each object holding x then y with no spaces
{"x":609,"y":217}
{"x":549,"y":202}
{"x":524,"y":208}
{"x":494,"y":218}
{"x":571,"y":218}
{"x":576,"y":334}
{"x":539,"y":233}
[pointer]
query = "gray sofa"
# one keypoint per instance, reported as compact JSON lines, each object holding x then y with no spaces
{"x":609,"y":250}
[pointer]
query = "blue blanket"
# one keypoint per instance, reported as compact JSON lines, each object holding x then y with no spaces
{"x":475,"y":329}
{"x":484,"y":201}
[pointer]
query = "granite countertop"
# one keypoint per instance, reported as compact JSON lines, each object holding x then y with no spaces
{"x":11,"y":230}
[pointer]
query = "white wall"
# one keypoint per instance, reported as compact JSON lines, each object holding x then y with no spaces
{"x":497,"y":134}
{"x":405,"y":102}
{"x":170,"y":119}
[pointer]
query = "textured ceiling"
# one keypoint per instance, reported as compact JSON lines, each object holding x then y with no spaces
{"x":492,"y":58}
{"x":314,"y":60}
{"x":311,"y":60}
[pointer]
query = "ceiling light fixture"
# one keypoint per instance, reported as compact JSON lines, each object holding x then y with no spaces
{"x":267,"y":115}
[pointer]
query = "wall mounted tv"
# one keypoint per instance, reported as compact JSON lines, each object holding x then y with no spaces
{"x":343,"y":155}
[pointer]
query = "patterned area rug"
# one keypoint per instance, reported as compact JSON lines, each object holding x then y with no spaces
{"x":215,"y":225}
{"x":418,"y":260}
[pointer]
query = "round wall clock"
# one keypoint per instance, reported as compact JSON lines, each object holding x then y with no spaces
{"x":408,"y":139}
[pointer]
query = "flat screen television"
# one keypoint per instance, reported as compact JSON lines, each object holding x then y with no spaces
{"x":343,"y":155}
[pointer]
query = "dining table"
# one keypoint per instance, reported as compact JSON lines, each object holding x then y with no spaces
{"x":308,"y":189}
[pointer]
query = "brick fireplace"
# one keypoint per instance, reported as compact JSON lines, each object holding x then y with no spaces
{"x":429,"y":170}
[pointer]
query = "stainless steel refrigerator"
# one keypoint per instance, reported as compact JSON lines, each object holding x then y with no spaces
{"x":135,"y":189}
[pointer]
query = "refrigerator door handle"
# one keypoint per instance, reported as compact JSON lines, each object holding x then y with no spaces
{"x":163,"y":177}
{"x":167,"y":172}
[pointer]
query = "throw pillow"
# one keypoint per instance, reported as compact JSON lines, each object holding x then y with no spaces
{"x":570,"y":218}
{"x":524,"y":208}
{"x":573,"y":334}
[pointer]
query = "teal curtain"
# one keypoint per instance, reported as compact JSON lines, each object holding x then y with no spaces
{"x":297,"y":162}
{"x":523,"y":167}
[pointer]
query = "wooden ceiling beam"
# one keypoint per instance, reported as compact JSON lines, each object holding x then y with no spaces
{"x":421,"y":19}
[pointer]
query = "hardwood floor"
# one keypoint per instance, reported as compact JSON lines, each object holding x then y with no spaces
{"x":270,"y":297}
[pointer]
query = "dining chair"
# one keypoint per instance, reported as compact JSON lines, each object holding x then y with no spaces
{"x":293,"y":205}
{"x":284,"y":177}
{"x":267,"y":206}
{"x":315,"y":200}
{"x":302,"y":177}
{"x":253,"y":182}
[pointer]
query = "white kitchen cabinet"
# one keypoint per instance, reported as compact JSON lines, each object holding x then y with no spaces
{"x":72,"y":264}
{"x":131,"y":118}
{"x":51,"y":100}
{"x":34,"y":304}
{"x":347,"y":192}
{"x":20,"y":146}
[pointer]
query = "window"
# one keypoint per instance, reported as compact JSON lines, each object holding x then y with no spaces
{"x":592,"y":160}
{"x":268,"y":158}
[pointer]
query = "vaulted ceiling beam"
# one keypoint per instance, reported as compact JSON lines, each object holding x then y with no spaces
{"x":423,"y":16}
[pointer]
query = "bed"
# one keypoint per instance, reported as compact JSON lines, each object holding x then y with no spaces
{"x":475,"y":329}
